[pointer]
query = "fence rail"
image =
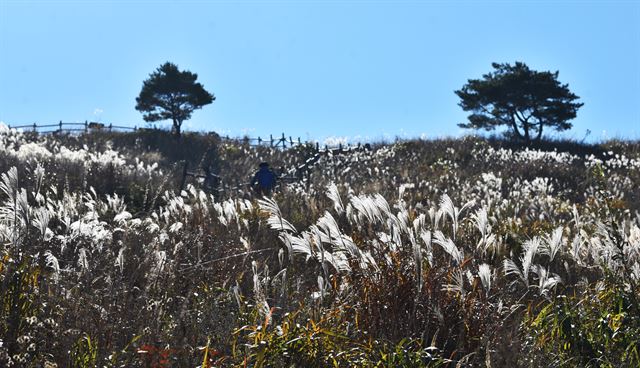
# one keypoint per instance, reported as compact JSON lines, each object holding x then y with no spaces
{"x":73,"y":127}
{"x":281,"y":141}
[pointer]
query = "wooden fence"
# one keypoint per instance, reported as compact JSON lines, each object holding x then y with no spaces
{"x":281,"y":141}
{"x":88,"y":126}
{"x":288,"y":142}
{"x":61,"y":127}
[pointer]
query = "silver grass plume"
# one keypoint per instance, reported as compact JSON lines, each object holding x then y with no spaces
{"x":447,"y":208}
{"x":554,"y":243}
{"x":337,"y":259}
{"x":230,"y":212}
{"x":331,"y":234}
{"x":417,"y":259}
{"x":9,"y":183}
{"x":321,"y":290}
{"x":281,"y":278}
{"x":296,"y":244}
{"x":257,"y":288}
{"x":119,"y":263}
{"x":52,"y":262}
{"x":235,"y":291}
{"x":39,"y":174}
{"x":484,"y":273}
{"x":448,"y":245}
{"x":258,"y":292}
{"x":577,"y":246}
{"x":334,"y":195}
{"x":635,"y":272}
{"x":481,"y":219}
{"x":457,"y":283}
{"x":545,"y":281}
{"x":83,"y":262}
{"x":530,"y":248}
{"x":159,"y":262}
{"x":41,"y":218}
{"x":382,"y":204}
{"x":15,"y":210}
{"x":374,"y":208}
{"x":425,"y":235}
{"x":419,"y":223}
{"x":275,"y":220}
{"x":363,"y":208}
{"x":402,"y":221}
{"x":434,"y":217}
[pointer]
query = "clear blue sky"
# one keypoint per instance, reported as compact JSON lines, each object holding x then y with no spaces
{"x":314,"y":68}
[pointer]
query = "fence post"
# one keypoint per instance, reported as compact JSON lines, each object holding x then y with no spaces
{"x":290,"y":142}
{"x":86,"y":126}
{"x":299,"y":141}
{"x":34,"y":127}
{"x":184,"y":175}
{"x":271,"y":138}
{"x":317,"y":146}
{"x":60,"y":125}
{"x":284,"y":141}
{"x":110,"y":126}
{"x":259,"y":141}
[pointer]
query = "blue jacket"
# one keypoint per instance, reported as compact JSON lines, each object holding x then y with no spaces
{"x":265,"y":178}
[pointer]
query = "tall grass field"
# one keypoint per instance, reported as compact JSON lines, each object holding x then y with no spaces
{"x":470,"y":252}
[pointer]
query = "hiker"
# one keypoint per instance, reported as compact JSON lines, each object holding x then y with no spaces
{"x":264,"y":180}
{"x":211,"y":181}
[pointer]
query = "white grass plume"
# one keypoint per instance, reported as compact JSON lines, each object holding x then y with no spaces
{"x":52,"y":261}
{"x":481,"y":220}
{"x":417,"y":259}
{"x":9,"y":183}
{"x":449,"y":246}
{"x":119,"y":263}
{"x":330,"y":233}
{"x":425,"y":235}
{"x":296,"y":244}
{"x":447,"y":208}
{"x":485,"y":275}
{"x":545,"y":281}
{"x":15,"y":209}
{"x":553,"y":243}
{"x":456,"y":284}
{"x":334,"y":195}
{"x":275,"y":220}
{"x":419,"y":223}
{"x":83,"y":261}
{"x":530,"y":248}
{"x":41,"y":218}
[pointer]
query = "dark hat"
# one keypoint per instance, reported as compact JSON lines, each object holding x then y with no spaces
{"x":264,"y":164}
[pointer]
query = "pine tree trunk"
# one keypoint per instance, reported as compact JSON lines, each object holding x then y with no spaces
{"x":176,"y":127}
{"x":514,"y":125}
{"x":539,"y":131}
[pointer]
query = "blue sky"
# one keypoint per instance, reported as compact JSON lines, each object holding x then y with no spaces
{"x":314,"y":69}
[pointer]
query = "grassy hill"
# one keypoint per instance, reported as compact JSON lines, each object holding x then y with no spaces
{"x":451,"y":252}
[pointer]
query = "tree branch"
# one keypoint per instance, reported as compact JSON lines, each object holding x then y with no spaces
{"x":515,"y":127}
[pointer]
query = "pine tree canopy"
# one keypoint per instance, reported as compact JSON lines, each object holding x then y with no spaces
{"x":522,"y":99}
{"x":171,"y":94}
